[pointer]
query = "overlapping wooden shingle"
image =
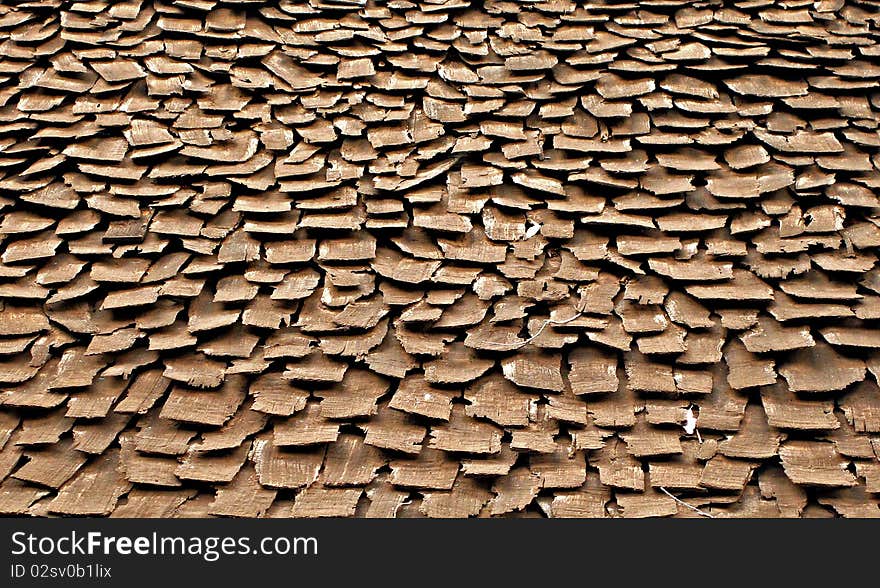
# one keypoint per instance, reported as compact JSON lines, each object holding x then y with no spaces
{"x":441,"y":259}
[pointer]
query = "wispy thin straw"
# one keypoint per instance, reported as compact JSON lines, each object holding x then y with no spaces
{"x":499,"y":346}
{"x":685,"y":504}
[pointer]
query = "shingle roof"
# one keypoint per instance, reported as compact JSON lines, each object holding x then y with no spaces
{"x":386,"y":258}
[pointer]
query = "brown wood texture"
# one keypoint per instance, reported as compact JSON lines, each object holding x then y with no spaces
{"x":444,"y":258}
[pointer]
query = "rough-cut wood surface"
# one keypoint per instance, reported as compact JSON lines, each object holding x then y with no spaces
{"x":441,"y":258}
